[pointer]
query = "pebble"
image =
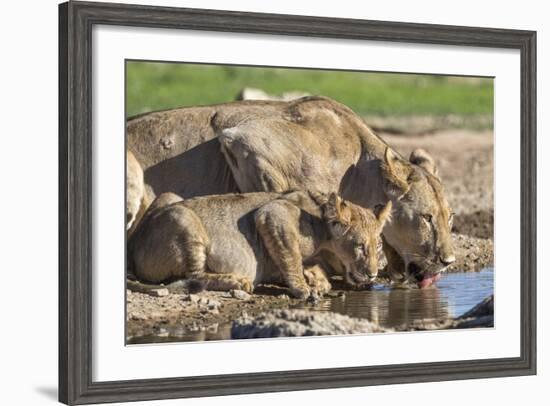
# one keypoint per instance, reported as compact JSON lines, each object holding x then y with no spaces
{"x":203,"y":301}
{"x":163,"y":332}
{"x":213,"y":328}
{"x":159,"y":292}
{"x":240,"y":294}
{"x":192,"y":298}
{"x":138,"y":316}
{"x":213,"y":304}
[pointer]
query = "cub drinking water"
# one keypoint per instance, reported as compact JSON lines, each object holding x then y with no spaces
{"x":236,"y":241}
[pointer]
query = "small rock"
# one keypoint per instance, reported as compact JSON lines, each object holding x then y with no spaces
{"x":203,"y":301}
{"x":213,"y":328}
{"x":138,"y":316}
{"x":163,"y":332}
{"x":240,"y":294}
{"x":284,"y":297}
{"x":213,"y":304}
{"x":192,"y":298}
{"x":159,"y":292}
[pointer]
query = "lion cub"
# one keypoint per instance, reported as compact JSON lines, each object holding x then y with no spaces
{"x":237,"y":241}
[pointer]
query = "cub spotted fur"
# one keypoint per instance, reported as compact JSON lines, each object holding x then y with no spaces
{"x":236,"y":241}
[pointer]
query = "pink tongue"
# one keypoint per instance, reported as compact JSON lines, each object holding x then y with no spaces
{"x":424,"y":283}
{"x":428,"y":280}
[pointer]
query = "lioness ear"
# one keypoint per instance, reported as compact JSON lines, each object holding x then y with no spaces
{"x":383,"y":213}
{"x":337,"y":210}
{"x":421,"y":158}
{"x":396,"y":175}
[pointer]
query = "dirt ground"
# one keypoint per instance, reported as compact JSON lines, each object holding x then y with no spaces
{"x":465,"y":162}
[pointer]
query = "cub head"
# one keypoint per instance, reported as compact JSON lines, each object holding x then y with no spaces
{"x":418,"y":242}
{"x":354,"y":237}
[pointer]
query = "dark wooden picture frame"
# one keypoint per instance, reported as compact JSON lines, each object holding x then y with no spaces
{"x":76,"y":20}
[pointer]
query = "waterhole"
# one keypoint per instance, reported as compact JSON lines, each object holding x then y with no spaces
{"x":453,"y":295}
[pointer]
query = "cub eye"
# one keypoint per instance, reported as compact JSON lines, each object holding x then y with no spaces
{"x":427,"y":217}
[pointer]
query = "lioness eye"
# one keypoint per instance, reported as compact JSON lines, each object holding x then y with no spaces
{"x":427,"y":217}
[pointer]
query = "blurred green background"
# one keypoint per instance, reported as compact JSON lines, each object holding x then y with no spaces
{"x":156,"y":86}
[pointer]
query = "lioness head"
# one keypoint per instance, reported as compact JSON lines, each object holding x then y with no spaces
{"x":354,"y":237}
{"x":418,"y":243}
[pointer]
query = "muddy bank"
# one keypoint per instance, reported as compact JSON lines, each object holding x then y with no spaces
{"x":472,"y":254}
{"x":183,"y":313}
{"x":476,"y":224}
{"x":298,"y":323}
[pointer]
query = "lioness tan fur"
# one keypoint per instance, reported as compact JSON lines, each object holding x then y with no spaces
{"x":236,"y":241}
{"x":136,"y":201}
{"x":312,"y":143}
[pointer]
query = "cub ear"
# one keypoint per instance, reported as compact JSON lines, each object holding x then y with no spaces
{"x":337,"y":210}
{"x":383,"y":213}
{"x":421,"y":158}
{"x":396,"y":174}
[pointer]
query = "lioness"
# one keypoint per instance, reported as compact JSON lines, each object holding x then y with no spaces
{"x":312,"y":143}
{"x":236,"y":241}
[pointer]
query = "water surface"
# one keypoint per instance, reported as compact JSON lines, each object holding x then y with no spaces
{"x":452,"y":295}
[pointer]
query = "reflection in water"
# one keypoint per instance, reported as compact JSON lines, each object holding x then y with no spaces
{"x":390,"y":307}
{"x":453,"y":295}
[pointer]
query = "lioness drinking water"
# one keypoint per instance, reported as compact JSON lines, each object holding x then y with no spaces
{"x":236,"y":241}
{"x":313,"y":143}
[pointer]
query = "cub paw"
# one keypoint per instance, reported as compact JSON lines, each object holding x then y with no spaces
{"x":318,"y":282}
{"x":302,"y":292}
{"x":246,"y":285}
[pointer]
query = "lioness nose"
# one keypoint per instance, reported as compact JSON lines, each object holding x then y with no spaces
{"x":447,"y":260}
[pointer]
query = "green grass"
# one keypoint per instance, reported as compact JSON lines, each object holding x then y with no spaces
{"x":156,"y":86}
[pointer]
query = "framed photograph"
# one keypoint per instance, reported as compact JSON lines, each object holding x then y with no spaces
{"x":259,"y":202}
